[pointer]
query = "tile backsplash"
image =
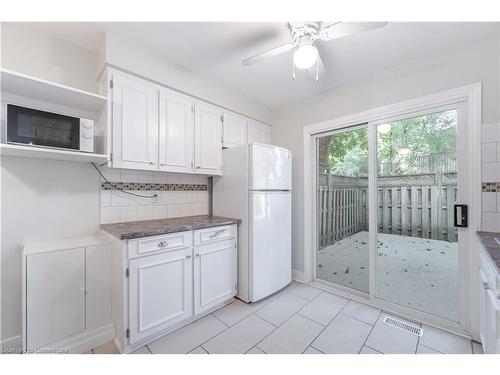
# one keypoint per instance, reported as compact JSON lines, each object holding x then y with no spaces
{"x":490,"y":177}
{"x":177,"y":195}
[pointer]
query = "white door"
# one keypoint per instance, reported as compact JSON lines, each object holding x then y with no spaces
{"x":270,"y":168}
{"x":176,"y":132}
{"x":161,"y":288}
{"x":208,"y":139}
{"x":270,"y":242}
{"x":214,"y":274}
{"x":258,"y":132}
{"x":385,"y":212}
{"x":134,"y":122}
{"x":234,"y":129}
{"x":55,"y":296}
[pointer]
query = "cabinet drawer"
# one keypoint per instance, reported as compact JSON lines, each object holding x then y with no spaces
{"x":156,"y":244}
{"x":202,"y":236}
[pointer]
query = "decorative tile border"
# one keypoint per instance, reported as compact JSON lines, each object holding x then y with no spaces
{"x":152,"y":186}
{"x":490,"y":187}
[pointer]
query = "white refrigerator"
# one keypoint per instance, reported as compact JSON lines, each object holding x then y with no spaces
{"x":255,"y":186}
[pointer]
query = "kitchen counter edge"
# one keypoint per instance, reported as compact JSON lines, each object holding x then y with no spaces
{"x":148,"y":228}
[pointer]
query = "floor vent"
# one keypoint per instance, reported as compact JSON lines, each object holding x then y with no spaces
{"x":410,"y":328}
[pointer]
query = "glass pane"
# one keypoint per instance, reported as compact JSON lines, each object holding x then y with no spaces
{"x":416,"y":190}
{"x":342,"y":199}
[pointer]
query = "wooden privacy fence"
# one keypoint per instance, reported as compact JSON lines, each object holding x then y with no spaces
{"x":417,"y":211}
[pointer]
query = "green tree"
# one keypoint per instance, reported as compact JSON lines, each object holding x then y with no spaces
{"x":406,"y":148}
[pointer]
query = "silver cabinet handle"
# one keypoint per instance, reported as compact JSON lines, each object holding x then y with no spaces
{"x":188,"y":256}
{"x":197,"y":167}
{"x":162,"y":164}
{"x":217,"y":233}
{"x":152,"y":162}
{"x":197,"y":255}
{"x":163,"y":244}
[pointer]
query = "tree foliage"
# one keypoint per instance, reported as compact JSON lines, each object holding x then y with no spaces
{"x":409,"y":147}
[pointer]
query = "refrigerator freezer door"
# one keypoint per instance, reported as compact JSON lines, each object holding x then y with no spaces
{"x":270,"y":242}
{"x":270,"y":168}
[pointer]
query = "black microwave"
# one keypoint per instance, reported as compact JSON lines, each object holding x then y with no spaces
{"x":34,"y":127}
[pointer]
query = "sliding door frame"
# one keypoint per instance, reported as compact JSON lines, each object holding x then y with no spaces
{"x":469,"y":98}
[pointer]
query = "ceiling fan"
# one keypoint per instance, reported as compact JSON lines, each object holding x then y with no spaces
{"x":305,"y":35}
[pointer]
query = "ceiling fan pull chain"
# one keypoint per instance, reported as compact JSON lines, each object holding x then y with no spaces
{"x":317,"y":70}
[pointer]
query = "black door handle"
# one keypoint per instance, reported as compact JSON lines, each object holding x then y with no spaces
{"x":460,"y":216}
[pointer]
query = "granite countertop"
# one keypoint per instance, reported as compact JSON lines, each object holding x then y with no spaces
{"x":491,"y":246}
{"x":145,"y":228}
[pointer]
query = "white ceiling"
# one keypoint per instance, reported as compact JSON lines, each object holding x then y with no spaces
{"x":215,"y":50}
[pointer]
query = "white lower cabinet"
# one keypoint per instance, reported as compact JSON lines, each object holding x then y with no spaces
{"x":171,"y":282}
{"x":67,"y":294}
{"x":489,"y":305}
{"x":214,"y":274}
{"x":160,"y":292}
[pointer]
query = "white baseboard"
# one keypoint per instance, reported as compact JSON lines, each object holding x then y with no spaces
{"x":12,"y":344}
{"x":298,"y":276}
{"x":76,"y":344}
{"x":87,"y":340}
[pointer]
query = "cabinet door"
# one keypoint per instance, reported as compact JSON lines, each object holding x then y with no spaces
{"x":161,"y":292}
{"x":55,"y":296}
{"x":99,"y":285}
{"x":134,"y":122}
{"x":208,"y":139}
{"x":258,"y":132}
{"x":214,"y":274}
{"x":491,"y":323}
{"x":234,"y":130}
{"x":483,"y":282}
{"x":176,"y":132}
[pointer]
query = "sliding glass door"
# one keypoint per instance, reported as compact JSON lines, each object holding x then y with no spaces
{"x":417,"y":243}
{"x":342,"y":207}
{"x":400,"y":247}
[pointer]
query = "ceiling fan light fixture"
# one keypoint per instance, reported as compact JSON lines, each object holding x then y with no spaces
{"x":305,"y":56}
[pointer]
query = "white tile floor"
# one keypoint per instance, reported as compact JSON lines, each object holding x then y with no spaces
{"x":301,"y":319}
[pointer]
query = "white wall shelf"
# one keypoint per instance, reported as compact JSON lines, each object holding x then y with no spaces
{"x":49,"y":153}
{"x":35,"y":88}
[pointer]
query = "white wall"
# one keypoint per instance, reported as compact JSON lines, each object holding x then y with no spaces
{"x":444,"y":69}
{"x":39,"y":55}
{"x":134,"y":58}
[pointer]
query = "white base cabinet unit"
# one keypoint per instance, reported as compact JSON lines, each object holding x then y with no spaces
{"x":67,"y":294}
{"x":164,"y":282}
{"x":489,"y":304}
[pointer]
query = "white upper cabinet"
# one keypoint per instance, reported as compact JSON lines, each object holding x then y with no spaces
{"x":234,"y":130}
{"x":208,"y":139}
{"x":155,"y":128}
{"x":134,"y":123}
{"x":176,"y":144}
{"x":258,"y":132}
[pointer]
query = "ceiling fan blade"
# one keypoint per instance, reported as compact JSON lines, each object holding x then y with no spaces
{"x":342,"y":29}
{"x":270,"y":53}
